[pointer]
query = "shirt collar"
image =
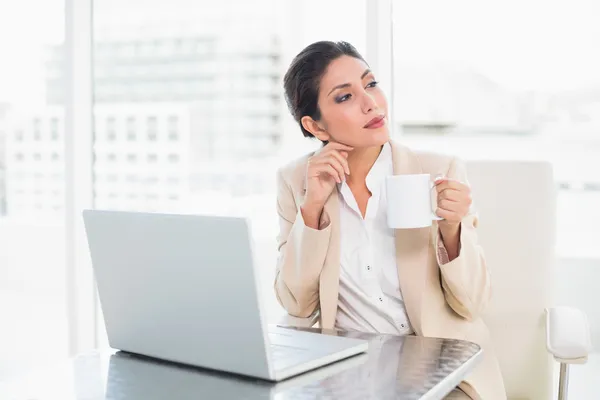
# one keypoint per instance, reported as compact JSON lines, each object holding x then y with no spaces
{"x":381,"y":168}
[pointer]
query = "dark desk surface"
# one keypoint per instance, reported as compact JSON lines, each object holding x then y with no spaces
{"x":394,"y":368}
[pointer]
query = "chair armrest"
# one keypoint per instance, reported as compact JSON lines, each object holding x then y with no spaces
{"x":568,"y":335}
{"x":289,"y":320}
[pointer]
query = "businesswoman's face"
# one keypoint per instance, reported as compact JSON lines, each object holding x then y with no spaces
{"x":353,"y":108}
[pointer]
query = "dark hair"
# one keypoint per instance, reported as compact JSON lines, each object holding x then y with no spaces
{"x":303,"y":78}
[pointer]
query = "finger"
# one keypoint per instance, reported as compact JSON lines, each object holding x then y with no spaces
{"x":322,"y":159}
{"x":341,"y":159}
{"x":336,"y":165}
{"x":447,"y":215}
{"x":449,"y":205}
{"x":460,"y":209}
{"x":327,"y":169}
{"x":449,"y":183}
{"x":457,"y":196}
{"x":452,"y":194}
{"x":338,"y":146}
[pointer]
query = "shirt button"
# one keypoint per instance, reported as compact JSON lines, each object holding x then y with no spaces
{"x":368,"y":267}
{"x":381,"y":299}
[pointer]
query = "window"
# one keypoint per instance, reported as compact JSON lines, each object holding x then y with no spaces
{"x":130,"y":128}
{"x":471,"y":78}
{"x":32,"y":292}
{"x":111,"y":129}
{"x":188,"y":100}
{"x":54,"y":129}
{"x":131,"y":158}
{"x":37,"y":129}
{"x":152,"y":128}
{"x":173,"y":128}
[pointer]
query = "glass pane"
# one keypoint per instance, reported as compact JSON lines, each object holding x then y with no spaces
{"x":189,"y":108}
{"x":32,"y":265}
{"x":511,"y":79}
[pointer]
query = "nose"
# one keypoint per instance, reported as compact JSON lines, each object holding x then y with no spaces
{"x":368,"y":103}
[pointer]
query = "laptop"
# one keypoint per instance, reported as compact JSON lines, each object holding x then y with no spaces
{"x":183,"y":288}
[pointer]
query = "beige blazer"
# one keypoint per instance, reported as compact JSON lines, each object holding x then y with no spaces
{"x":441,"y":300}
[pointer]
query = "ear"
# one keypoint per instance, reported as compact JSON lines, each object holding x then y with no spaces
{"x":315,"y":128}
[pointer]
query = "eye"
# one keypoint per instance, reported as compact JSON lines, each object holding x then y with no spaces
{"x":341,"y":99}
{"x":373,"y":84}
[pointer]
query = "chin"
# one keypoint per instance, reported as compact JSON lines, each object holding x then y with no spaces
{"x":367,"y":138}
{"x":377,"y":137}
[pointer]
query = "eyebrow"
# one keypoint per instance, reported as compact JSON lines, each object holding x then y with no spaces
{"x":345,"y":85}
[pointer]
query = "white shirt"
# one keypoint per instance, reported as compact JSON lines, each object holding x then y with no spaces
{"x":369,"y":291}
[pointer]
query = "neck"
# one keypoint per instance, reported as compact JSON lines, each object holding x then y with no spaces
{"x":360,"y":162}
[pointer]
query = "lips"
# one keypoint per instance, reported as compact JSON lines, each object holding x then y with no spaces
{"x":376,"y":122}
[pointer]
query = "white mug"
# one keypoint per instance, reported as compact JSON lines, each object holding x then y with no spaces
{"x":409,"y":201}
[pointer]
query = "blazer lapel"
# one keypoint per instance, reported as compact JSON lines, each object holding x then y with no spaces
{"x":330,"y":274}
{"x":412,"y":245}
{"x":412,"y":252}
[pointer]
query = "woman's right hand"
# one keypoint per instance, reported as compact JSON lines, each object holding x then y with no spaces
{"x":325,"y":168}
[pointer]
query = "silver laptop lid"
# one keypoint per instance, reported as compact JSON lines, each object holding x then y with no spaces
{"x":177,"y":287}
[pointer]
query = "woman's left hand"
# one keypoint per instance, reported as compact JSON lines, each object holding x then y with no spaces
{"x":453,"y":200}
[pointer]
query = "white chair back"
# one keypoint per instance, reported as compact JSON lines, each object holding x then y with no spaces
{"x":516,"y":203}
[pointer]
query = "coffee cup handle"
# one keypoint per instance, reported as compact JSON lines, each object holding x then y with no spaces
{"x":434,"y":216}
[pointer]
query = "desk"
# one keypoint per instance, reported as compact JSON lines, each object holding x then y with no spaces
{"x":394,"y":368}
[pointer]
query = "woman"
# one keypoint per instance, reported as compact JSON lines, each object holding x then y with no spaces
{"x":335,"y":254}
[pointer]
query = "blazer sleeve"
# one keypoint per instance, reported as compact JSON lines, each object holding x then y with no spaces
{"x":301,"y":255}
{"x":465,"y":280}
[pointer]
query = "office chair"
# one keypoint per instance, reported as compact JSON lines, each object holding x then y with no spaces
{"x":516,"y":204}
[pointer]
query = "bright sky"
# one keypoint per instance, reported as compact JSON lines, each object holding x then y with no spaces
{"x":538,"y":44}
{"x":25,"y":26}
{"x":522,"y":44}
